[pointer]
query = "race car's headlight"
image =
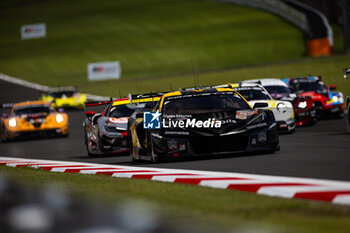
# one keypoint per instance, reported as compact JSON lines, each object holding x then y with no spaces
{"x":281,"y":107}
{"x":12,"y":122}
{"x":59,"y":118}
{"x":302,"y":104}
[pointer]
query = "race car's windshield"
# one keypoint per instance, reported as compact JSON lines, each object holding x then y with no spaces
{"x":310,"y":86}
{"x":32,"y":110}
{"x":254,"y":94}
{"x":278,"y":89}
{"x":124,"y":110}
{"x":204,"y":104}
{"x":61,"y":94}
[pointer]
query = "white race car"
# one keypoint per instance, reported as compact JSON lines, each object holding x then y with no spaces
{"x":283,"y":110}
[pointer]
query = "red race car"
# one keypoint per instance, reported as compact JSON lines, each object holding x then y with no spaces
{"x":327,"y":102}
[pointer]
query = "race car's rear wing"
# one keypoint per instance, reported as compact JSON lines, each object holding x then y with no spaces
{"x":147,"y":98}
{"x":251,"y":81}
{"x":97,"y":104}
{"x":144,"y":98}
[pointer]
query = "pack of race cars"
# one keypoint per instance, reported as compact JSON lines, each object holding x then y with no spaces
{"x":236,"y":117}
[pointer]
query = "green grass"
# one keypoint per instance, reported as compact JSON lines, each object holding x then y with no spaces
{"x":152,"y":38}
{"x":329,"y":67}
{"x":221,"y":208}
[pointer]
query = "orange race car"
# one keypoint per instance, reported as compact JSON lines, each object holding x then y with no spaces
{"x":32,"y":119}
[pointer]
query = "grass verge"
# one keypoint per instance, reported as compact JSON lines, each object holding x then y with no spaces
{"x":222,"y":208}
{"x":330,"y":68}
{"x":149,"y":38}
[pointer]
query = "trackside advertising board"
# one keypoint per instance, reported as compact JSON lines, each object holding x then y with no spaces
{"x":33,"y":31}
{"x":104,"y":70}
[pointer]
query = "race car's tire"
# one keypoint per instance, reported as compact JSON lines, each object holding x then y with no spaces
{"x":3,"y":139}
{"x":130,"y":145}
{"x":150,"y":149}
{"x":348,"y":118}
{"x":2,"y":134}
{"x":87,"y":148}
{"x":100,"y":145}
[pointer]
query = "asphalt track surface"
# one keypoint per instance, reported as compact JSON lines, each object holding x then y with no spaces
{"x":321,"y":151}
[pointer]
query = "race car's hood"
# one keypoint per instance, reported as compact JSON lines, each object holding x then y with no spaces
{"x":35,"y":119}
{"x":218,"y":123}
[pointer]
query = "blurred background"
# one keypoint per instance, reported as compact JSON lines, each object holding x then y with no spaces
{"x":167,"y":40}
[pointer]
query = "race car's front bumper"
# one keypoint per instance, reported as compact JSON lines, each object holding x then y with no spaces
{"x":114,"y":143}
{"x":263,"y":140}
{"x":334,"y":109}
{"x":54,"y":132}
{"x":305,"y":117}
{"x":285,"y":126}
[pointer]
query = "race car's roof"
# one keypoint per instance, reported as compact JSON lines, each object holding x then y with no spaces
{"x":306,"y":79}
{"x":267,"y":82}
{"x":247,"y":85}
{"x":203,"y":90}
{"x":243,"y":85}
{"x":31,"y":103}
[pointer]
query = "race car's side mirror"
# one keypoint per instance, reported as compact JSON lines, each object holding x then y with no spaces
{"x":5,"y":115}
{"x":139,"y":115}
{"x":332,"y":87}
{"x":89,"y":114}
{"x":260,"y":105}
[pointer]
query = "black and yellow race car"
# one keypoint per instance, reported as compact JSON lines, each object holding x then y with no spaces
{"x":194,"y":122}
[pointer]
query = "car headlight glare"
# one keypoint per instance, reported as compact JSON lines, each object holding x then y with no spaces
{"x":12,"y":122}
{"x":59,"y":118}
{"x":302,"y":104}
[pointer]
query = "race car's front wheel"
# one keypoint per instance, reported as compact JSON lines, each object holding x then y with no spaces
{"x":348,"y":119}
{"x":150,"y":149}
{"x":2,"y":134}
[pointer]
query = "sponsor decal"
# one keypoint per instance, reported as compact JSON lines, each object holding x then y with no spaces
{"x":191,"y":123}
{"x":33,"y":31}
{"x":104,"y":70}
{"x":151,"y":120}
